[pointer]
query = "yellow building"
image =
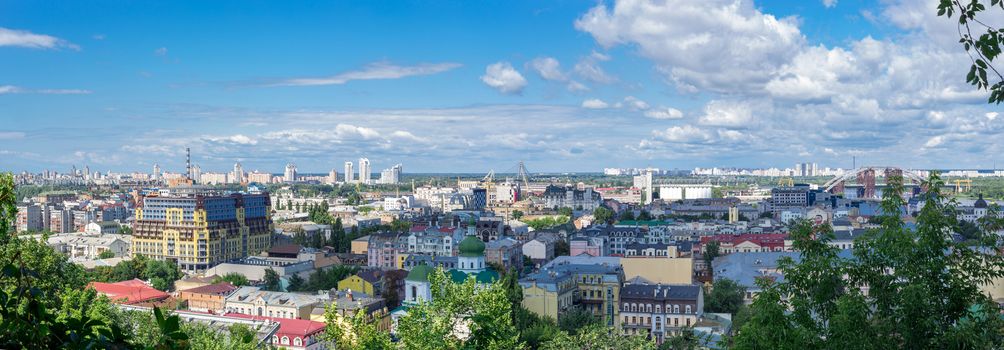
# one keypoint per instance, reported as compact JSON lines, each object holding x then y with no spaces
{"x":663,"y":270}
{"x":591,"y":287}
{"x":360,"y":245}
{"x":198,"y":232}
{"x":368,"y":282}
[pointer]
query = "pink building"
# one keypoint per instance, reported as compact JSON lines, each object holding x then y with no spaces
{"x":579,"y":246}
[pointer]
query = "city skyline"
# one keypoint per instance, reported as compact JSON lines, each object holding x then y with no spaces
{"x":575,"y":86}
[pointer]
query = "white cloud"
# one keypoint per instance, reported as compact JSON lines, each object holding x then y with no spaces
{"x":373,"y":71}
{"x":575,"y":86}
{"x":590,"y":70}
{"x":162,"y":51}
{"x":634,"y":104}
{"x":992,"y":115}
{"x":549,"y":68}
{"x":717,"y":45}
{"x":11,"y":89}
{"x":682,"y":134}
{"x":726,"y":113}
{"x":21,"y":38}
{"x":664,"y":113}
{"x":830,"y":3}
{"x":934,"y":141}
{"x":11,"y":135}
{"x":502,"y":77}
{"x":594,"y":104}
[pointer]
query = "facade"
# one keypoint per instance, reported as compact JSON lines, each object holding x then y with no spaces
{"x":505,"y":252}
{"x":571,"y":197}
{"x":293,"y":334}
{"x":383,"y":250}
{"x":209,"y":298}
{"x":782,"y":198}
{"x":83,"y":246}
{"x":364,"y":170}
{"x":349,"y":172}
{"x":369,"y":282}
{"x":198,"y":232}
{"x":539,"y":249}
{"x":556,"y":288}
{"x":29,"y":218}
{"x":256,"y":302}
{"x":659,"y":311}
{"x":289,"y":175}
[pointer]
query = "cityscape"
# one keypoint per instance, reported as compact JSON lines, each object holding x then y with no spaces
{"x":620,"y":174}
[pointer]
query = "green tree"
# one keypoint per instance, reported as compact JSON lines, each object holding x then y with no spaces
{"x":233,"y":278}
{"x":645,"y":216}
{"x":295,"y":283}
{"x":923,"y":287}
{"x":577,"y":319}
{"x":516,"y":214}
{"x":603,"y":214}
{"x":161,"y":274}
{"x":237,"y":337}
{"x":725,"y":296}
{"x":686,"y":339}
{"x":712,"y":250}
{"x":981,"y":40}
{"x":598,"y":337}
{"x":626,"y":214}
{"x":561,"y":248}
{"x":271,"y":281}
{"x":106,"y":255}
{"x":356,"y":331}
{"x":565,"y":211}
{"x":486,"y":310}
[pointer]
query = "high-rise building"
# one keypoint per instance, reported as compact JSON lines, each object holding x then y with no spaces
{"x":200,"y":231}
{"x":364,"y":170}
{"x":238,"y":176}
{"x":392,"y":175}
{"x":290,"y":174}
{"x":332,"y":177}
{"x":348,"y":172}
{"x":156,"y":171}
{"x":196,"y":173}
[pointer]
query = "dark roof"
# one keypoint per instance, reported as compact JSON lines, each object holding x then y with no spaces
{"x":214,"y":289}
{"x":371,"y":276}
{"x":661,"y":292}
{"x":286,"y":249}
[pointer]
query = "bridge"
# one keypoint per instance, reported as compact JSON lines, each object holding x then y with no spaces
{"x":864,"y":178}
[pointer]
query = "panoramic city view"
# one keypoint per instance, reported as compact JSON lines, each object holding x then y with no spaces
{"x":553,"y":174}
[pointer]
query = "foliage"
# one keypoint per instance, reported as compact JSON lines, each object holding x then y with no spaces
{"x":271,"y":281}
{"x":923,"y":287}
{"x":234,"y":278}
{"x":237,"y":337}
{"x":712,"y":250}
{"x":982,"y":50}
{"x":598,"y":337}
{"x":356,"y":331}
{"x":547,"y":222}
{"x":603,"y":214}
{"x":724,"y":296}
{"x":485,"y":310}
{"x":325,"y":279}
{"x":516,"y":214}
{"x":561,"y":248}
{"x":161,"y":274}
{"x":687,"y":339}
{"x":577,"y":319}
{"x":295,"y":283}
{"x":565,"y":211}
{"x":645,"y":216}
{"x":626,"y":214}
{"x":106,"y":255}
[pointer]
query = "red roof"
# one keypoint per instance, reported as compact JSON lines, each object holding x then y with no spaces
{"x":417,"y":228}
{"x":288,"y":326}
{"x":128,"y":292}
{"x":214,"y":289}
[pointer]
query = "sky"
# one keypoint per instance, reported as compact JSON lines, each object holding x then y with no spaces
{"x":469,"y":86}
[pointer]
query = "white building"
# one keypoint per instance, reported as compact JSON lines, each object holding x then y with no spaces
{"x":364,"y":170}
{"x":348,"y":172}
{"x":672,"y":192}
{"x":238,"y":175}
{"x":290,"y":174}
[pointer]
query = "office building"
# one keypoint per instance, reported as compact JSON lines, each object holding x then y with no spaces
{"x":200,"y":231}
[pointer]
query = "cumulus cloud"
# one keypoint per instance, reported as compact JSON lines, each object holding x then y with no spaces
{"x":373,"y":71}
{"x":726,"y":113}
{"x":22,"y":38}
{"x":548,"y":68}
{"x":681,"y":134}
{"x":830,"y":3}
{"x":594,"y":103}
{"x":590,"y":70}
{"x":635,"y":104}
{"x":664,"y":113}
{"x":716,"y":45}
{"x":503,"y":77}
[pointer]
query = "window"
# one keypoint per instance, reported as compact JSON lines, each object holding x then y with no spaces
{"x":285,"y":340}
{"x":297,"y":341}
{"x":688,"y":309}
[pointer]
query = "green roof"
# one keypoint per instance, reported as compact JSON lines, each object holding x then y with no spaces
{"x":472,"y":247}
{"x":484,"y":277}
{"x":419,"y":273}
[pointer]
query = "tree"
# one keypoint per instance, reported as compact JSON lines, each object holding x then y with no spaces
{"x":603,"y":214}
{"x":923,"y":287}
{"x":233,"y":278}
{"x":161,"y":274}
{"x":295,"y":283}
{"x":598,"y":337}
{"x":577,"y":319}
{"x":686,"y":339}
{"x":271,"y":281}
{"x":712,"y":250}
{"x":565,"y":211}
{"x":337,"y":234}
{"x":561,"y":248}
{"x":516,"y":214}
{"x":725,"y":296}
{"x":626,"y":215}
{"x":237,"y":337}
{"x":355,"y":331}
{"x":485,"y":309}
{"x":106,"y":255}
{"x":982,"y":50}
{"x":645,"y":216}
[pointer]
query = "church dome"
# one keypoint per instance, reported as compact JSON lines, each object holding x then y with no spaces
{"x":419,"y":273}
{"x":980,"y":203}
{"x":472,"y":247}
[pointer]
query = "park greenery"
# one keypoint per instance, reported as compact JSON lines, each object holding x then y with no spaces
{"x":547,"y":222}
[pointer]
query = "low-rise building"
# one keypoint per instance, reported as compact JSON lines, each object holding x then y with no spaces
{"x":210,"y":298}
{"x":254,"y":301}
{"x":658,"y":310}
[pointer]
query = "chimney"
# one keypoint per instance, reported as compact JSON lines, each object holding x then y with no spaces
{"x":349,"y":295}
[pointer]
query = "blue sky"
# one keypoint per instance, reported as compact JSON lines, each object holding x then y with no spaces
{"x":464,"y":86}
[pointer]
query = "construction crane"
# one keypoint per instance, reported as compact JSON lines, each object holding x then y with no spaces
{"x":785,"y":181}
{"x":963,"y":185}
